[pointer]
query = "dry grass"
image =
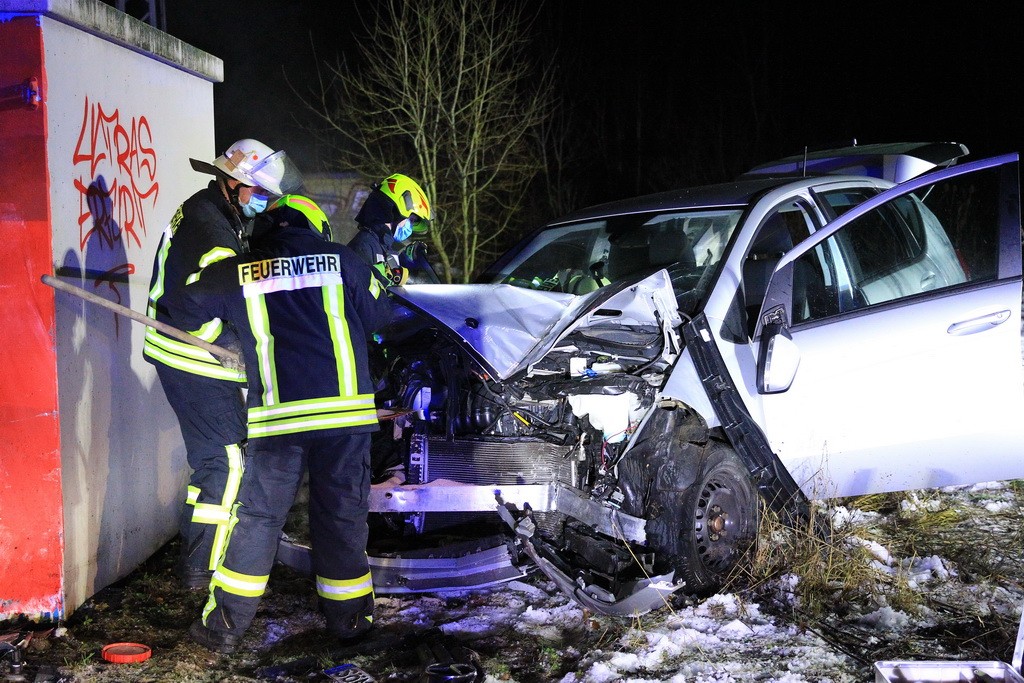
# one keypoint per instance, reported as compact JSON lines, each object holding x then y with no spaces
{"x":883,"y":554}
{"x":824,"y":564}
{"x":850,"y":564}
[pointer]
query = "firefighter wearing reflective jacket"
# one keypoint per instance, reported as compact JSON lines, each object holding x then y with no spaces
{"x":305,"y":308}
{"x":206,"y":397}
{"x":394,"y":210}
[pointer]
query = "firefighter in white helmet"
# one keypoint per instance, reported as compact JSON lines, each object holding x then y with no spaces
{"x":211,"y":225}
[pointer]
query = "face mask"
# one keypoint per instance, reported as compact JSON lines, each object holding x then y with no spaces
{"x":403,"y":230}
{"x":257,"y":204}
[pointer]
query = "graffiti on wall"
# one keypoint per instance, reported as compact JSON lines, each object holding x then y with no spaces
{"x":115,"y":178}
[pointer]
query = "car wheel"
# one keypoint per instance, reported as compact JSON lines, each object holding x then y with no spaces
{"x":712,"y":524}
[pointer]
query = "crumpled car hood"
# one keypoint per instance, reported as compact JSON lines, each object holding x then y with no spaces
{"x":508,"y":328}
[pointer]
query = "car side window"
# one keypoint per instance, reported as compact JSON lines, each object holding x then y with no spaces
{"x":885,"y":241}
{"x":941,"y":236}
{"x":786,"y":226}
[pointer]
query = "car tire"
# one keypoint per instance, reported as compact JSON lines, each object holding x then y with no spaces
{"x":705,"y":531}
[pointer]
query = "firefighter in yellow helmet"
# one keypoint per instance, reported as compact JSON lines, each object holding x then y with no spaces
{"x":396,"y":209}
{"x":304,"y":307}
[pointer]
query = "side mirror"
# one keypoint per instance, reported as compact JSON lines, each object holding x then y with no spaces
{"x":778,"y":360}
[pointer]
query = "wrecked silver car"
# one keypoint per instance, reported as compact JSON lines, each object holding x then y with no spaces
{"x":615,"y":397}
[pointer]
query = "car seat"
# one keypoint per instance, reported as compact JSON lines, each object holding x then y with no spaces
{"x":770,"y":244}
{"x":627,"y":254}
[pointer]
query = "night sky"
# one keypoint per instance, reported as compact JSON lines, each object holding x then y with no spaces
{"x":664,"y":97}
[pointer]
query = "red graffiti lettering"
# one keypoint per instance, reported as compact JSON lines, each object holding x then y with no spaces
{"x":120,"y":184}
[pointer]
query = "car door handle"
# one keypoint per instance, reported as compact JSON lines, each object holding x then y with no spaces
{"x":981,"y":324}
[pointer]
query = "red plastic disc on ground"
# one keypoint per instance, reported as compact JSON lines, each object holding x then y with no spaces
{"x":126,"y":653}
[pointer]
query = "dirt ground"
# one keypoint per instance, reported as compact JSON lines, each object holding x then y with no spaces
{"x":526,"y":631}
{"x":286,"y":641}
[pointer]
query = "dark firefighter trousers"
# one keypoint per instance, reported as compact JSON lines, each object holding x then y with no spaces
{"x":211,"y":414}
{"x":339,"y":501}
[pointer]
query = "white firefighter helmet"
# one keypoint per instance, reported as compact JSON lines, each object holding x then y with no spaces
{"x":253,"y":163}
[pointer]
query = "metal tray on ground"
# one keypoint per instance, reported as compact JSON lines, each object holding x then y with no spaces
{"x":945,"y":672}
{"x":955,"y":672}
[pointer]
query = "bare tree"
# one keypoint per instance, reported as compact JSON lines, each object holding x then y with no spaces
{"x":445,"y":92}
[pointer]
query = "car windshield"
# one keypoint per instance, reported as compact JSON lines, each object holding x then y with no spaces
{"x":578,"y":258}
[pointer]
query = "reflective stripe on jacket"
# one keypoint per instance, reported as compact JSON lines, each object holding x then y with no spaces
{"x":203,"y":231}
{"x":304,"y":309}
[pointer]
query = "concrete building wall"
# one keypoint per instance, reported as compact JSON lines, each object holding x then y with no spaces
{"x":96,"y":489}
{"x":31,"y":531}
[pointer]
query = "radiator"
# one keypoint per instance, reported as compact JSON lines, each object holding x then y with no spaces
{"x":504,"y":462}
{"x":480,"y":461}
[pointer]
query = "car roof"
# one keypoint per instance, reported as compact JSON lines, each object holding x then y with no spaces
{"x":736,"y":193}
{"x":894,"y":162}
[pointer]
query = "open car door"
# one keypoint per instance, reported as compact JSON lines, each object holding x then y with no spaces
{"x":890,"y":340}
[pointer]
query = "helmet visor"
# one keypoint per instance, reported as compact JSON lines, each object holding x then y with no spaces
{"x":277,"y":174}
{"x":420,"y":226}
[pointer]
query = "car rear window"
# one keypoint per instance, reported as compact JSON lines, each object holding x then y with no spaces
{"x":841,"y":201}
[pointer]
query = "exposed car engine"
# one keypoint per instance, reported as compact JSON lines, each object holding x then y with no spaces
{"x":564,"y":420}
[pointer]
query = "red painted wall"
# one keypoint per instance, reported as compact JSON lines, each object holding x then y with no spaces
{"x":31,"y":510}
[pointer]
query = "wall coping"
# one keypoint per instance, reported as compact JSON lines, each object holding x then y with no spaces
{"x":105,"y":21}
